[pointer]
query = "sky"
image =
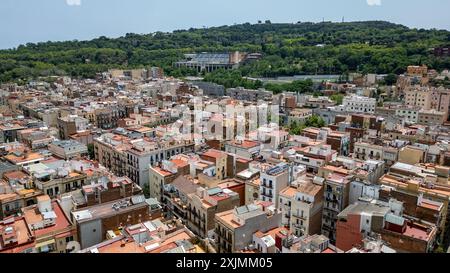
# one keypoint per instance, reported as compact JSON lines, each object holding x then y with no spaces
{"x":23,"y":21}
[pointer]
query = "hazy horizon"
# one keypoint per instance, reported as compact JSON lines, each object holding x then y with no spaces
{"x":27,"y":21}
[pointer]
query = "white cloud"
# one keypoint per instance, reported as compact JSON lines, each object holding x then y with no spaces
{"x":73,"y":2}
{"x":374,"y":2}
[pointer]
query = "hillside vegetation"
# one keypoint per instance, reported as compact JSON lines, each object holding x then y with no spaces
{"x":288,"y":49}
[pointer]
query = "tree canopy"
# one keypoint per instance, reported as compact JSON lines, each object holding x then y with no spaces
{"x":313,"y":121}
{"x":288,"y":49}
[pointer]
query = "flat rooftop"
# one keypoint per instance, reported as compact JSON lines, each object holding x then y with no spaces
{"x":107,"y":209}
{"x":32,"y":215}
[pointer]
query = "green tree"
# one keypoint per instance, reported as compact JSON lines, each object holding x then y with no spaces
{"x":288,"y":49}
{"x":295,"y":128}
{"x":390,"y":79}
{"x":315,"y":121}
{"x":337,"y":98}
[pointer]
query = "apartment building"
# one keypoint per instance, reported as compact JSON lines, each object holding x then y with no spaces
{"x":93,"y":223}
{"x":367,"y":122}
{"x":9,"y":130}
{"x":204,"y":204}
{"x":359,"y":104}
{"x":250,"y":178}
{"x":310,"y":244}
{"x":286,"y":197}
{"x":219,"y":158}
{"x":133,"y":157}
{"x":312,"y":157}
{"x":16,"y":192}
{"x":273,"y":181}
{"x":412,"y":154}
{"x":409,"y":113}
{"x":109,"y":151}
{"x":106,"y":189}
{"x":25,"y":158}
{"x":160,"y":176}
{"x":149,"y":237}
{"x":339,"y":141}
{"x":51,"y":228}
{"x":427,"y":98}
{"x":365,"y":151}
{"x":418,"y":96}
{"x":67,"y":149}
{"x":35,"y":138}
{"x":419,"y":195}
{"x":84,"y":137}
{"x":235,"y":228}
{"x":321,"y":102}
{"x":70,"y":125}
{"x":210,"y":89}
{"x":299,"y":115}
{"x":241,"y":93}
{"x":431,"y":117}
{"x":336,"y":199}
{"x":247,"y":149}
{"x":10,"y":241}
{"x":361,"y":219}
{"x":108,"y":116}
{"x":270,"y":241}
{"x":175,"y":199}
{"x":415,"y":70}
{"x":440,"y":100}
{"x":143,"y":154}
{"x":302,"y":205}
{"x":135,"y":74}
{"x":362,"y":189}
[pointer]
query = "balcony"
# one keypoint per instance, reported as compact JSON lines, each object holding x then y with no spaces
{"x":331,"y":208}
{"x":301,"y":217}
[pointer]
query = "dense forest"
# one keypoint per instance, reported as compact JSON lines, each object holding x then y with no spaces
{"x":288,"y":49}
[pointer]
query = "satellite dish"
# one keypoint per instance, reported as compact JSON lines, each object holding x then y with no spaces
{"x":73,"y":246}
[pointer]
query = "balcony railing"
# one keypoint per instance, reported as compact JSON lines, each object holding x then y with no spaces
{"x":299,"y":216}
